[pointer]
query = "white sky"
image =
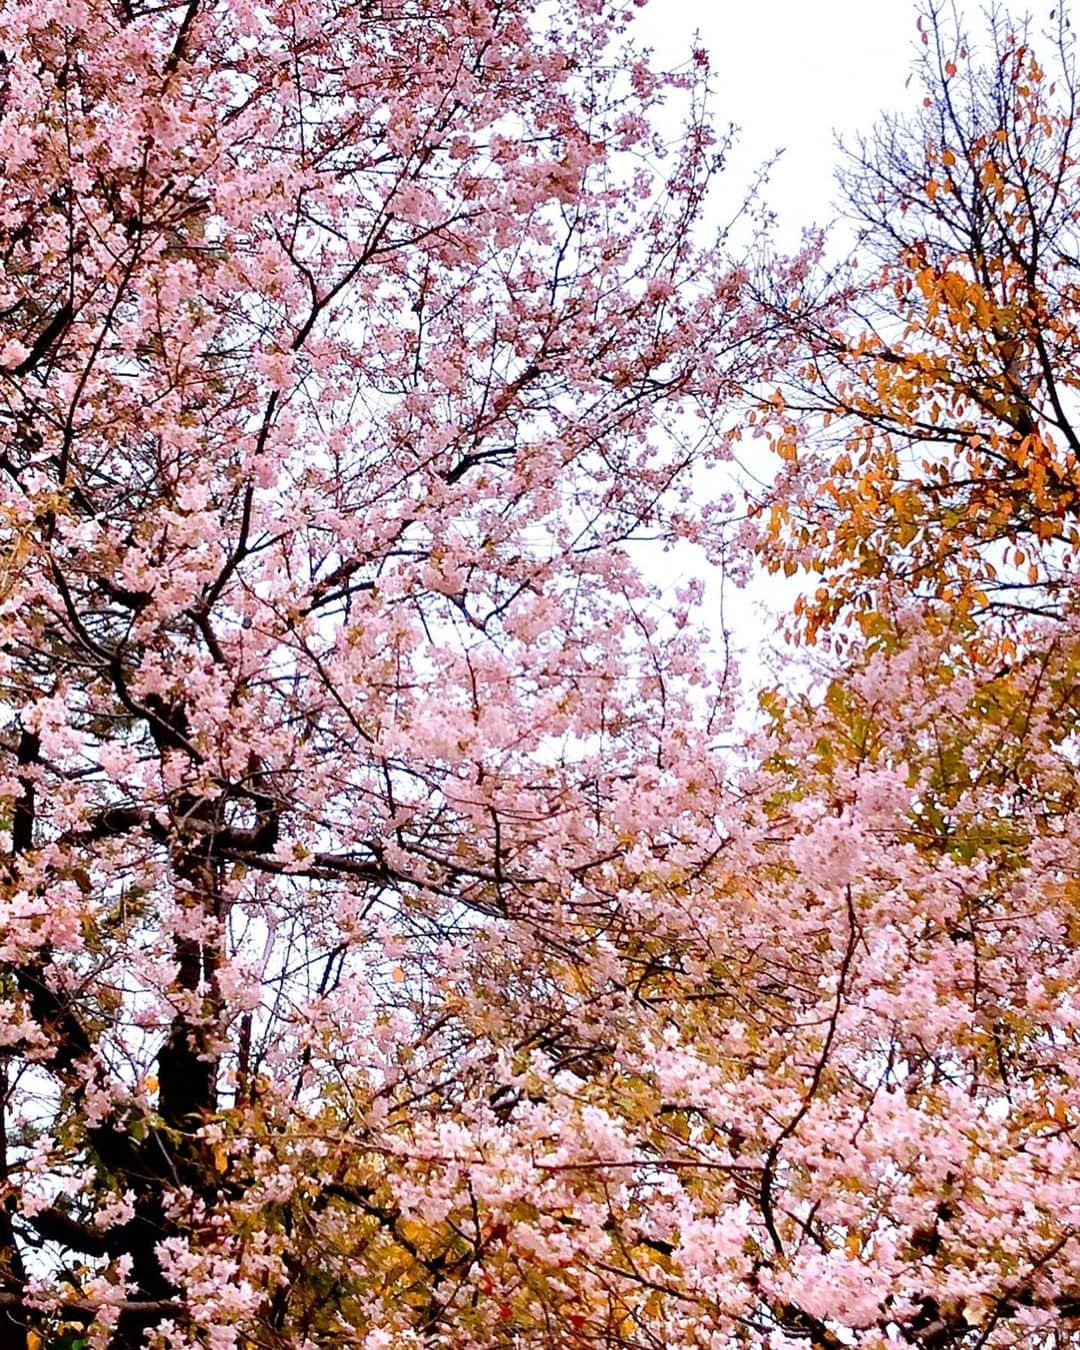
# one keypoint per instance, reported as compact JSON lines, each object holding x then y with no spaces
{"x":791,"y":73}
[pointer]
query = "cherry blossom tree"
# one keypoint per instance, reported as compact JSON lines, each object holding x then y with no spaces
{"x":919,"y":1187}
{"x":389,"y":956}
{"x":344,"y":347}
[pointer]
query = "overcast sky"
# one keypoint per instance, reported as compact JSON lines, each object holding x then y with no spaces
{"x":791,"y":73}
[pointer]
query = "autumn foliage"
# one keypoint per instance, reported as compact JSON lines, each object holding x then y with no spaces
{"x":950,"y":401}
{"x":389,"y":956}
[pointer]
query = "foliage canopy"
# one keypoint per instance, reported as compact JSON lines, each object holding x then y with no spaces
{"x":388,"y":955}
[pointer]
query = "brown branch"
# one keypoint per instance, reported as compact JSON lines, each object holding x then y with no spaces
{"x":48,"y":336}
